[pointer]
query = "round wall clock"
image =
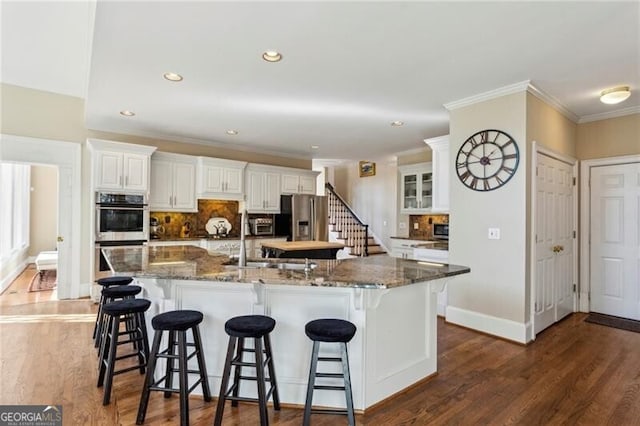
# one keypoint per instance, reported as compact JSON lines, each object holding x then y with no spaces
{"x":487,"y":160}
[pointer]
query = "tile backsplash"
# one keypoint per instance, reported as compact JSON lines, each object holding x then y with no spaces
{"x":173,"y":222}
{"x":425,"y":224}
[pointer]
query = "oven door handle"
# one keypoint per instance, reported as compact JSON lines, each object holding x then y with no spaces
{"x":106,"y":207}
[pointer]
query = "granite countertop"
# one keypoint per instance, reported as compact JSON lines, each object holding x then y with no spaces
{"x":215,"y":238}
{"x":302,"y":245}
{"x":195,"y":263}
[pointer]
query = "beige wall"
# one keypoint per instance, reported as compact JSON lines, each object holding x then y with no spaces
{"x":549,"y":128}
{"x":423,"y":155}
{"x":497,"y":282}
{"x":609,"y":138}
{"x":43,"y":223}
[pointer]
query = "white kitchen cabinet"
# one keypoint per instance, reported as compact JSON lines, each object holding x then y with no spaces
{"x":293,"y":183}
{"x":228,"y":247}
{"x":173,"y":183}
{"x":220,"y":179}
{"x":120,"y":167}
{"x":263,"y":189}
{"x":416,"y":186}
{"x":403,"y":248}
{"x":441,"y":169}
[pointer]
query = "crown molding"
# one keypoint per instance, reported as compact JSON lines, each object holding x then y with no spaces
{"x":511,"y":89}
{"x":491,"y":94}
{"x":553,"y":102}
{"x":609,"y":114}
{"x":437,"y":141}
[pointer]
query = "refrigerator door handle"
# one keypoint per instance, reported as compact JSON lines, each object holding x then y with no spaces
{"x":312,"y":224}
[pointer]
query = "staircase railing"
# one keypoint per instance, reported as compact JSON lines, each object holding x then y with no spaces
{"x":344,"y":220}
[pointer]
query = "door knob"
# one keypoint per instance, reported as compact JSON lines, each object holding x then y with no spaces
{"x":60,"y":239}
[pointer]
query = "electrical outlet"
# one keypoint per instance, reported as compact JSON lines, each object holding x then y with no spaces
{"x":494,"y":233}
{"x":384,"y":223}
{"x":416,"y":225}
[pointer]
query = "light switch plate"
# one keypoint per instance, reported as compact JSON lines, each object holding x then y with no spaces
{"x":494,"y":233}
{"x":416,"y":225}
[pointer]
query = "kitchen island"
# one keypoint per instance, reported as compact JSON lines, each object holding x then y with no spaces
{"x":391,"y":301}
{"x":301,"y":249}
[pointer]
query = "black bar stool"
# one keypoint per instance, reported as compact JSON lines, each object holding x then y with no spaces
{"x":258,"y":328}
{"x":106,"y":283}
{"x":115,"y":312}
{"x":176,"y":323}
{"x":329,"y":331}
{"x":109,"y":295}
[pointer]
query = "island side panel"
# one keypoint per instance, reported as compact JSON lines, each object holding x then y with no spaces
{"x":400,"y":340}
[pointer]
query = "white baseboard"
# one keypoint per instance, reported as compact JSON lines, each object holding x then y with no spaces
{"x":13,"y":275}
{"x":31,"y":259}
{"x":584,"y":302}
{"x":85,"y":290}
{"x":504,"y":328}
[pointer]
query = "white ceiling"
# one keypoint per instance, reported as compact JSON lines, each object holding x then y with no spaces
{"x":348,"y":69}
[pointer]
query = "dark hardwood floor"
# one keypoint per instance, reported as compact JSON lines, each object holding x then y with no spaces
{"x":574,"y":373}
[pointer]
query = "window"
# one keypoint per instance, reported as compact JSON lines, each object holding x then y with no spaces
{"x":15,"y":181}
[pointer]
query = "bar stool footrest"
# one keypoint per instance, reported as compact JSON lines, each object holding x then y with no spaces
{"x":328,"y":411}
{"x":323,"y":387}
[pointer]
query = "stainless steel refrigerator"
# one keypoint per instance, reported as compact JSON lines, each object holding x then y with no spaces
{"x":309,"y":216}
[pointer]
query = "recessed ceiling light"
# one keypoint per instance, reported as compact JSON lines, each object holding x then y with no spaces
{"x":314,"y":147}
{"x":272,"y":56}
{"x":397,"y":123}
{"x":232,"y":132}
{"x":127,"y":113}
{"x":172,"y":76}
{"x":615,"y":95}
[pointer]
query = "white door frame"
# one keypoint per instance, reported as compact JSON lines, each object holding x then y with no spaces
{"x":67,"y":156}
{"x":536,"y":150}
{"x":585,"y":222}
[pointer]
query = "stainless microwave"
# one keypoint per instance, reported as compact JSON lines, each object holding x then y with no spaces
{"x":121,"y":217}
{"x":440,"y":231}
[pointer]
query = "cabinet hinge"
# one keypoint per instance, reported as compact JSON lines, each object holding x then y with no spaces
{"x":574,"y":234}
{"x":574,"y":181}
{"x":574,"y":288}
{"x":535,"y":306}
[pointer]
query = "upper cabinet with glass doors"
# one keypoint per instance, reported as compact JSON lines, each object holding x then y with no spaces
{"x":416,"y":186}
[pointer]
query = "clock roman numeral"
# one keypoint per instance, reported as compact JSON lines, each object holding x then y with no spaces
{"x":474,"y":183}
{"x":461,"y":165}
{"x":509,"y":142}
{"x":473,"y":143}
{"x":509,"y":156}
{"x":486,"y":184}
{"x":507,"y":169}
{"x":465,"y":175}
{"x":484,"y":136}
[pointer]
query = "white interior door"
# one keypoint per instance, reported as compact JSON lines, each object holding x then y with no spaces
{"x":615,"y":240}
{"x":554,"y":295}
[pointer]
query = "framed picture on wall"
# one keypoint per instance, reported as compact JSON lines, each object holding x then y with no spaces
{"x":367,"y":168}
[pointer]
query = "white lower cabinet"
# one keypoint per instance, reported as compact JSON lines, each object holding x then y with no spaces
{"x":403,"y":248}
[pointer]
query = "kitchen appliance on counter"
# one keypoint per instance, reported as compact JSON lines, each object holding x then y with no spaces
{"x":305,"y":217}
{"x":155,"y":229}
{"x":121,"y":217}
{"x":441,"y":231}
{"x":261,"y":226}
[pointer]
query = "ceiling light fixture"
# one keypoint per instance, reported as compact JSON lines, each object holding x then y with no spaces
{"x":232,"y":132}
{"x":397,"y":123}
{"x":127,"y":113}
{"x":172,"y":76}
{"x":615,"y":95}
{"x":272,"y":56}
{"x":314,"y":147}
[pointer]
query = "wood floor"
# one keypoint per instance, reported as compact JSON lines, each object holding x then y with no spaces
{"x":575,"y":373}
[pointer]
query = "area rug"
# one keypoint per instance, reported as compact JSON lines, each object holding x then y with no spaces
{"x":48,"y":281}
{"x":615,"y":322}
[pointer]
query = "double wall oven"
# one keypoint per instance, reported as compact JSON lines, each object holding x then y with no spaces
{"x":121,"y":220}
